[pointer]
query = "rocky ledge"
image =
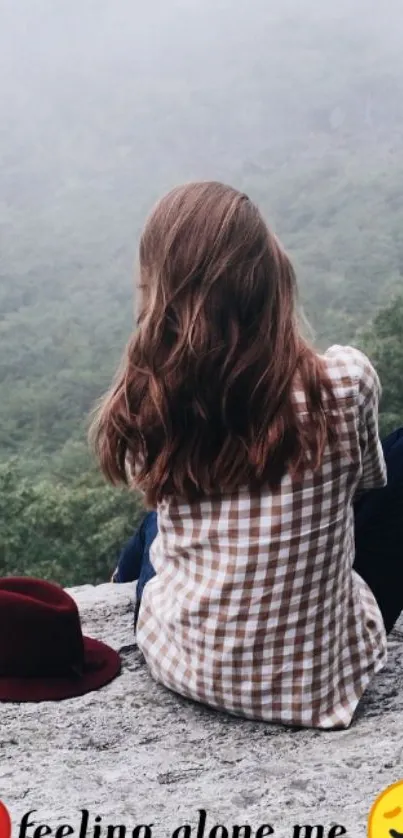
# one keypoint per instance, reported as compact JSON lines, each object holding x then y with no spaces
{"x":135,"y":754}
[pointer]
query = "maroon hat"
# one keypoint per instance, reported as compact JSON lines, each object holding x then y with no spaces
{"x":43,"y":654}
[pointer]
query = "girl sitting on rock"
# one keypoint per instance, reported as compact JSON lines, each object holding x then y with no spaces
{"x":272,"y":580}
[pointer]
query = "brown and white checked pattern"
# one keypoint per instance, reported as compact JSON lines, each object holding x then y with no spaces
{"x":255,"y":608}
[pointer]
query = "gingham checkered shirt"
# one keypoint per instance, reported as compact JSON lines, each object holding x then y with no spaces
{"x":255,"y":608}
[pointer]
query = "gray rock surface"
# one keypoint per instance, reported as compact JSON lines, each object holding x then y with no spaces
{"x":134,"y":753}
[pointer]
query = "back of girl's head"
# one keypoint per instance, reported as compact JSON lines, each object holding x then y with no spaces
{"x":203,"y":402}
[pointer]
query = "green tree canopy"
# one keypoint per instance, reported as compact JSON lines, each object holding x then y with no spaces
{"x":70,"y":534}
{"x":383,"y":342}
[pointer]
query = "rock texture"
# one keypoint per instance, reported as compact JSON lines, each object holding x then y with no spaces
{"x":133,"y":753}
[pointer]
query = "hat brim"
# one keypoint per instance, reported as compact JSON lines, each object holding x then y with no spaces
{"x":101,"y":665}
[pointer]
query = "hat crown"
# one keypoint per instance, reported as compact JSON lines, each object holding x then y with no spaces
{"x":40,"y":630}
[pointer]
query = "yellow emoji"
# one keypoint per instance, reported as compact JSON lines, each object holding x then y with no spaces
{"x":386,"y":816}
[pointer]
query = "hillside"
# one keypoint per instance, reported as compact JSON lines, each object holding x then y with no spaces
{"x":108,"y":105}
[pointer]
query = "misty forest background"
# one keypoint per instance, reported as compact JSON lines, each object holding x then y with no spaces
{"x":104,"y":106}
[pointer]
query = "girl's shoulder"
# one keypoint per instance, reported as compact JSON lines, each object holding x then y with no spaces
{"x":351,"y":371}
{"x":348,"y":355}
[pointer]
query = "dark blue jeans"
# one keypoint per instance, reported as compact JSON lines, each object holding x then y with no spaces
{"x":134,"y":560}
{"x":379,"y":535}
{"x":378,"y":540}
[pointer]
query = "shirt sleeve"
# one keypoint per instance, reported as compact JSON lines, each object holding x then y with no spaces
{"x":132,"y":469}
{"x":373,"y":461}
{"x":129,"y":470}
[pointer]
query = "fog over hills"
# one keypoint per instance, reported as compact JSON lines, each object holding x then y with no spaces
{"x":105,"y":106}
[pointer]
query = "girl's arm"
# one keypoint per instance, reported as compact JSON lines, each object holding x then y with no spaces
{"x":373,"y":461}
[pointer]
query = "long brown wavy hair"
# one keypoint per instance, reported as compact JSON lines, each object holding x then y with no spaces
{"x":203,"y":401}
